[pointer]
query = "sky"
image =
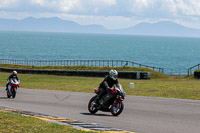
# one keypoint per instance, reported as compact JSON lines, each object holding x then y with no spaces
{"x":112,"y":14}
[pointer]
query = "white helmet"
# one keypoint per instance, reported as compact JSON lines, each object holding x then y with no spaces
{"x":14,"y":73}
{"x":113,"y":74}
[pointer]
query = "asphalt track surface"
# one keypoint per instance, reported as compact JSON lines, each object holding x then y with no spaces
{"x":141,"y":114}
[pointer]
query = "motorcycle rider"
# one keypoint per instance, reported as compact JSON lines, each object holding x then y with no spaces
{"x":107,"y":84}
{"x":13,"y":75}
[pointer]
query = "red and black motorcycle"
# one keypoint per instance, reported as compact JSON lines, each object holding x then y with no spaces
{"x":111,"y":102}
{"x":12,"y":88}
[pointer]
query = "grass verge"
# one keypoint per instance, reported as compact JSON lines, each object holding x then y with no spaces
{"x":176,"y":87}
{"x":17,"y":123}
{"x":154,"y":74}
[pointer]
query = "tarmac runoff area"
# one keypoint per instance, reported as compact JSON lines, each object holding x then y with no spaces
{"x":141,"y":114}
{"x":69,"y":122}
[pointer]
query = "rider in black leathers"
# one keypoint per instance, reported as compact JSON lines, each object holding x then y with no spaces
{"x":107,"y":84}
{"x":13,"y":75}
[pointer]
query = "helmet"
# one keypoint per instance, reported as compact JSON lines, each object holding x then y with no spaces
{"x":14,"y":73}
{"x":113,"y":74}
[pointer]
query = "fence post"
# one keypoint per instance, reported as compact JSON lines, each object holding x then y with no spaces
{"x":188,"y":72}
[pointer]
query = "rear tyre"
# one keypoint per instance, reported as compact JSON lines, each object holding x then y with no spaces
{"x":91,"y":106}
{"x":117,"y":109}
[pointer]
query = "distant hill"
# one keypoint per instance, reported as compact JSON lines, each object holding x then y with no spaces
{"x":48,"y":25}
{"x":163,"y":28}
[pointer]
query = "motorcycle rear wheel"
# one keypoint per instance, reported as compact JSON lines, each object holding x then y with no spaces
{"x":117,"y":109}
{"x":91,"y":107}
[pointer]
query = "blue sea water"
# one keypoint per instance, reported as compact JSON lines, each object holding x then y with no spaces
{"x":164,"y":52}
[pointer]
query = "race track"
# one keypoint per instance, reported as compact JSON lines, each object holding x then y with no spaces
{"x":141,"y":114}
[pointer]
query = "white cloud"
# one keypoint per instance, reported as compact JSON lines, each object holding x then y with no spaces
{"x":40,"y":2}
{"x":101,"y":2}
{"x":108,"y":7}
{"x":68,"y":5}
{"x":109,"y":13}
{"x":58,"y":5}
{"x":7,"y":3}
{"x":191,"y":7}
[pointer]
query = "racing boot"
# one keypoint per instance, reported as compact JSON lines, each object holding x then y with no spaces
{"x":6,"y":87}
{"x":97,"y":103}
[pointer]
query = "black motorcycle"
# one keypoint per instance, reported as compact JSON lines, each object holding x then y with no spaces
{"x":111,"y":102}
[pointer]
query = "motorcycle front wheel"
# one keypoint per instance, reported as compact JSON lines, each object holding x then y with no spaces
{"x":117,"y":109}
{"x":8,"y":94}
{"x":13,"y":93}
{"x":91,"y":106}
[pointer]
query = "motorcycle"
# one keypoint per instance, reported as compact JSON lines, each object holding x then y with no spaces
{"x":12,"y":88}
{"x":111,"y":102}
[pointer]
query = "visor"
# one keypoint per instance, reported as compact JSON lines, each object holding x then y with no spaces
{"x":114,"y":77}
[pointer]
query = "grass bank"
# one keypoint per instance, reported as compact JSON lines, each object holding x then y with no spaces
{"x":154,"y":74}
{"x":17,"y":123}
{"x":172,"y":87}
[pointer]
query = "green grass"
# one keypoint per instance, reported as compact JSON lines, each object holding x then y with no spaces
{"x":179,"y":87}
{"x":159,"y":85}
{"x":154,"y":74}
{"x":17,"y":123}
{"x":176,"y":87}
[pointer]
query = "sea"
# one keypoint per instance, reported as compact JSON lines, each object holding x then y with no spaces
{"x":157,"y":51}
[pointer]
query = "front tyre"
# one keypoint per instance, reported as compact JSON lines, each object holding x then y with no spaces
{"x":91,"y":105}
{"x":117,"y":108}
{"x":8,"y":94}
{"x":13,"y":93}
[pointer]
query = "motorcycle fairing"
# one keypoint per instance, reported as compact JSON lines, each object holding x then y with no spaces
{"x":107,"y":100}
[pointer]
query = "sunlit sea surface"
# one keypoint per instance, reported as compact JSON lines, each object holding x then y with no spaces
{"x":164,"y":52}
